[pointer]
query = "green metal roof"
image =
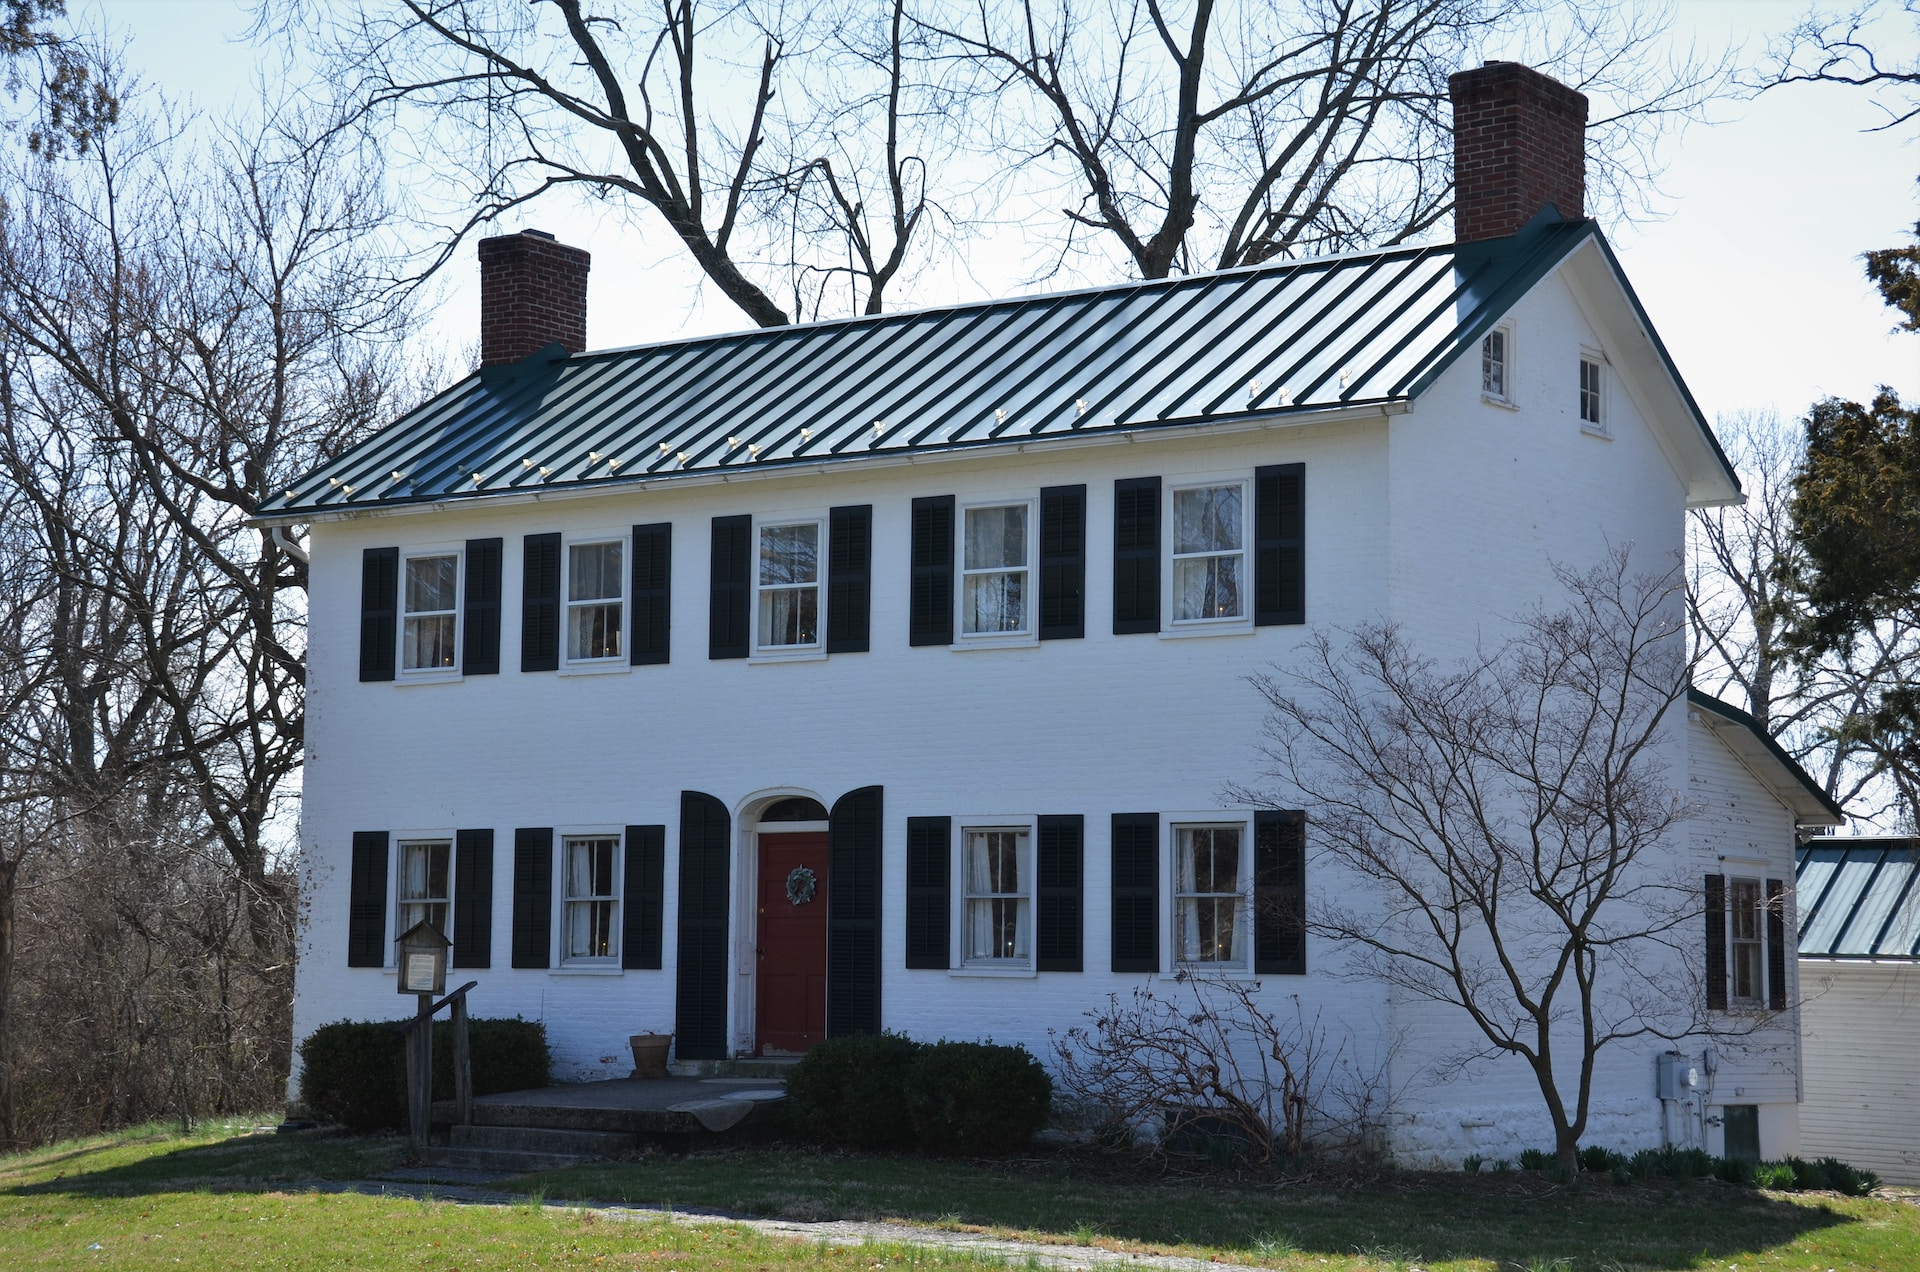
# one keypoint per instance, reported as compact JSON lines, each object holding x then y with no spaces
{"x":1268,"y":341}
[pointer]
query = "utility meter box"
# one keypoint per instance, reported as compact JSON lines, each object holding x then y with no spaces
{"x":1678,"y":1076}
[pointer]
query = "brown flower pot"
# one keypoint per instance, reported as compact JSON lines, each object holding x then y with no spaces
{"x":650,"y":1054}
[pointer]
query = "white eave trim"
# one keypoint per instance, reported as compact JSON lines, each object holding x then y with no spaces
{"x":861,"y":463}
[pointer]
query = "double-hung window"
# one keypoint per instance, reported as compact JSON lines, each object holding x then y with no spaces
{"x":430,"y":613}
{"x":787,"y":590}
{"x":1210,"y":553}
{"x":998,"y":861}
{"x":1212,"y":927}
{"x":425,"y":883}
{"x":1745,"y":946}
{"x":590,"y":922}
{"x":596,"y":601}
{"x":995,"y":566}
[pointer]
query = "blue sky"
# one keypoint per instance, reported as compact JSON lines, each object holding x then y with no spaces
{"x":1752,"y":275}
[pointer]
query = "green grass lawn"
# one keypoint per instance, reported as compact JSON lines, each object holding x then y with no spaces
{"x":228,"y":1199}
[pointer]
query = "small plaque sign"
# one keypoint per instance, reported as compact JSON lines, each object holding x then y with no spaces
{"x":419,"y":978}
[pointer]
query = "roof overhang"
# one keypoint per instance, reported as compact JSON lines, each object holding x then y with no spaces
{"x":841,"y":465}
{"x":1767,"y":760}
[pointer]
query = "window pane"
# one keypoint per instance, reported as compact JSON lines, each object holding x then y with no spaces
{"x":790,"y":554}
{"x":996,"y":603}
{"x":427,"y":642}
{"x":1206,"y":519}
{"x":996,"y":537}
{"x":432,"y":583}
{"x":593,"y":631}
{"x":593,"y":571}
{"x":1206,"y":587}
{"x":1493,"y":364}
{"x":790,"y":616}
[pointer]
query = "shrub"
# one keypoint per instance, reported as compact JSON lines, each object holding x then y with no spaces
{"x":1776,"y":1175}
{"x":1535,"y":1159}
{"x":1734,"y":1170}
{"x":888,"y":1091}
{"x":1472,"y":1163}
{"x":854,"y":1091}
{"x":355,"y":1071}
{"x":976,"y":1097}
{"x":1596,"y":1160}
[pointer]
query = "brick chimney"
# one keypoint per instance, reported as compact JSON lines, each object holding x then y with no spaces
{"x":1518,"y":144}
{"x":533,"y":291}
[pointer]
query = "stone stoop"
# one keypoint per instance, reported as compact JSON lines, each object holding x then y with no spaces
{"x":742,"y":1067}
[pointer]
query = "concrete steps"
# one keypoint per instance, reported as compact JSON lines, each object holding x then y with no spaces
{"x":551,"y":1140}
{"x":744,"y":1067}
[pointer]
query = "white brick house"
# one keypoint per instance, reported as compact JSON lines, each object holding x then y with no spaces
{"x":886,"y":673}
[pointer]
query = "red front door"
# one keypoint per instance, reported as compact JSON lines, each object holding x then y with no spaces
{"x":790,"y":1003}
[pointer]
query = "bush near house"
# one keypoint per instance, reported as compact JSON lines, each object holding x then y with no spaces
{"x":885,"y":1090}
{"x":1790,"y":1174}
{"x":354,"y":1072}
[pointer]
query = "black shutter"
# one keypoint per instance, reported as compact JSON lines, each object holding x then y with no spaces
{"x":929,"y":891}
{"x":473,"y":897}
{"x":849,"y":578}
{"x":1136,"y":892}
{"x":1279,"y":544}
{"x":533,"y":896}
{"x":1776,"y":945}
{"x":730,"y":608}
{"x":480,"y":639}
{"x":652,"y":594}
{"x":367,"y":900}
{"x":646,"y":867}
{"x":1057,"y":894}
{"x":379,"y":608}
{"x":540,"y":604}
{"x":930,"y":603}
{"x":1280,"y":893}
{"x":1716,"y":942}
{"x":1136,"y":556}
{"x":853,"y":913}
{"x":700,"y":1011}
{"x":1063,"y":562}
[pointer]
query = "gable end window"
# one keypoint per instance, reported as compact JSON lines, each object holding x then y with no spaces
{"x":1496,"y":369}
{"x":596,"y":601}
{"x":1592,"y":401}
{"x":996,"y":566}
{"x":787,"y":586}
{"x":430,"y":612}
{"x":1210,"y":553}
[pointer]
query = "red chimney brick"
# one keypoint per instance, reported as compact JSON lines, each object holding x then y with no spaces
{"x":533,"y":291}
{"x":1518,"y":144}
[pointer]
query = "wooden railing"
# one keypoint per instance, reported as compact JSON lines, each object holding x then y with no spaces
{"x":419,"y":1032}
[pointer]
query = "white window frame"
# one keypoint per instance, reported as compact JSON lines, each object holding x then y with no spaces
{"x":1170,"y":588}
{"x":563,"y":861}
{"x":1737,"y":944}
{"x":1030,"y":598}
{"x":818,"y":646}
{"x":605,"y":662}
{"x":1176,"y":823}
{"x":401,"y":901}
{"x":405,"y":673}
{"x":1504,"y":396}
{"x":396,"y":866}
{"x":1602,"y":391}
{"x":1027,"y":826}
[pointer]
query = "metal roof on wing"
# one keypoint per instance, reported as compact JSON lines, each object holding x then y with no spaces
{"x":1287,"y":338}
{"x":1860,"y":898}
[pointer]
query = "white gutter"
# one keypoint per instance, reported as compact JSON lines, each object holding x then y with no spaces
{"x":286,"y":544}
{"x":852,"y":463}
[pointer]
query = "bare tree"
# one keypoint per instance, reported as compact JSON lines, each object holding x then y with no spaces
{"x":69,"y":106}
{"x":1214,"y":135}
{"x":1838,"y":47}
{"x":663,"y":105}
{"x":1742,"y":602}
{"x":1494,"y":829}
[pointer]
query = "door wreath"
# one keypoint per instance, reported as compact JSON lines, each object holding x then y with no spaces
{"x":801,"y":884}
